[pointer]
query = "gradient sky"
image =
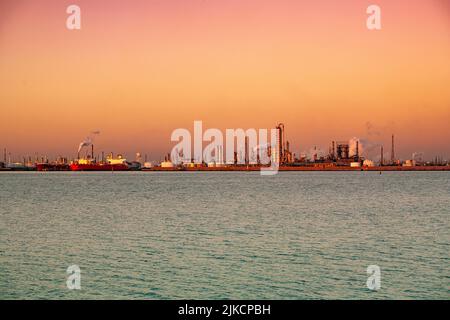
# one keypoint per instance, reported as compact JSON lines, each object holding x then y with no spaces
{"x":139,"y":69}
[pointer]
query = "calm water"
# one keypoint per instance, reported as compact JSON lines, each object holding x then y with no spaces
{"x":297,"y":235}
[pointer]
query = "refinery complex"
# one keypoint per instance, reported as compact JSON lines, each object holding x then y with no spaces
{"x":341,"y":155}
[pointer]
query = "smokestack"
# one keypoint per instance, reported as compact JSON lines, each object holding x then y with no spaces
{"x":381,"y":156}
{"x":281,"y":142}
{"x":357,"y":149}
{"x":288,"y":155}
{"x":334,"y":150}
{"x":246,"y":150}
{"x":92,"y":151}
{"x":219,"y":155}
{"x":4,"y":155}
{"x":392,"y":151}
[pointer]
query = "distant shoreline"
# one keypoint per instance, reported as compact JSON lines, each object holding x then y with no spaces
{"x":299,"y":168}
{"x":258,"y":168}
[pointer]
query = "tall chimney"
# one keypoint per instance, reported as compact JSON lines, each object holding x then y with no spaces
{"x":4,"y":155}
{"x":357,"y":150}
{"x":334,"y":150}
{"x":92,"y":151}
{"x":246,"y":150}
{"x":392,"y":151}
{"x":287,"y":153}
{"x":281,"y":142}
{"x":381,"y":156}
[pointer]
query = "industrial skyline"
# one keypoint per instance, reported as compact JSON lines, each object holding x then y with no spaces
{"x":339,"y":152}
{"x":136,"y":75}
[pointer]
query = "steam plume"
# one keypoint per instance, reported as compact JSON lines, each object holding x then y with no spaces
{"x":366,"y":148}
{"x":88,"y":141}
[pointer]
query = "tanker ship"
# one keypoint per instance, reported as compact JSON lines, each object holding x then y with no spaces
{"x":52,"y":166}
{"x":91,"y":164}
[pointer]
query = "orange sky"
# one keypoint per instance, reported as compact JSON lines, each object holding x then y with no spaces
{"x":139,"y":69}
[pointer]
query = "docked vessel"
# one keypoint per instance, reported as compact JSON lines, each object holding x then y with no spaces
{"x":90,"y":164}
{"x":19,"y":166}
{"x":52,"y":167}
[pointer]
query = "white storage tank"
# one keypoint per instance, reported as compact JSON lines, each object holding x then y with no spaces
{"x":355,"y":164}
{"x":368,"y":163}
{"x":189,"y":165}
{"x":166,"y":164}
{"x":148,"y":165}
{"x":409,"y":163}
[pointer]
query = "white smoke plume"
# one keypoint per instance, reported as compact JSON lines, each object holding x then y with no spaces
{"x":375,"y":130}
{"x":85,"y":143}
{"x":417,"y":156}
{"x":88,"y":141}
{"x":372,"y":130}
{"x":366,"y":148}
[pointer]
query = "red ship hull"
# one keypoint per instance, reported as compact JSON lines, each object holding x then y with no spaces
{"x":52,"y":167}
{"x":98,"y":167}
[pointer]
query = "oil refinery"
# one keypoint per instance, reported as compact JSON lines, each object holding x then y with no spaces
{"x":341,"y":156}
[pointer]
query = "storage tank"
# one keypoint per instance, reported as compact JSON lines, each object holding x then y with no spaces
{"x":166,"y":164}
{"x":355,"y":164}
{"x":409,"y":163}
{"x":148,"y":165}
{"x":368,"y":163}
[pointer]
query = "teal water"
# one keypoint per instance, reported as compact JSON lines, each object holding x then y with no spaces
{"x":229,"y":235}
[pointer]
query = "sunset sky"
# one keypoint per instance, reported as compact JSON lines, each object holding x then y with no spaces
{"x":137,"y":70}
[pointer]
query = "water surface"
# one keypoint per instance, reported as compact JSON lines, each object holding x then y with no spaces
{"x":224,"y":235}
